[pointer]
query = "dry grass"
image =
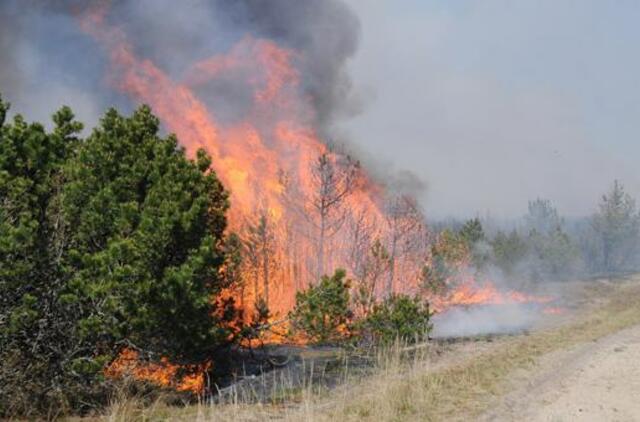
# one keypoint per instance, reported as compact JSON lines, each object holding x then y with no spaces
{"x":417,"y":387}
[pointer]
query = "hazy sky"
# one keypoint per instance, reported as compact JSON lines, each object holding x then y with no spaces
{"x":489,"y":102}
{"x":493,"y":102}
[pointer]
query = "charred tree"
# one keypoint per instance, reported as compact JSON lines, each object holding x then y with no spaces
{"x":375,"y":265}
{"x":406,"y":232}
{"x":259,"y":245}
{"x":334,"y":179}
{"x":363,"y":231}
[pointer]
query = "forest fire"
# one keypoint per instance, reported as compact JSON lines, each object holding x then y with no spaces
{"x":294,"y":202}
{"x":473,"y":293}
{"x":301,"y":208}
{"x":317,"y":209}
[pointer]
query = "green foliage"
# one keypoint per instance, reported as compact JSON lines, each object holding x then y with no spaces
{"x":259,"y":321}
{"x":473,"y":234}
{"x":35,"y":333}
{"x":554,"y":254}
{"x":111,"y":242}
{"x":397,"y":317}
{"x":434,"y":276}
{"x":262,"y":313}
{"x":322,"y":311}
{"x":617,"y":226}
{"x":4,"y":108}
{"x":509,"y":250}
{"x":472,"y":231}
{"x":448,"y":255}
{"x":145,"y":237}
{"x":542,"y":216}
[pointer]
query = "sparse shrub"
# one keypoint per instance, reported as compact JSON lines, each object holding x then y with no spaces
{"x":322,"y":311}
{"x":397,"y":317}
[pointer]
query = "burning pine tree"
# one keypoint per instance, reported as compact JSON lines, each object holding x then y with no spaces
{"x":292,"y":197}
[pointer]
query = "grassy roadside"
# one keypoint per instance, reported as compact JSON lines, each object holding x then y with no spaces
{"x":416,"y":389}
{"x":467,"y":389}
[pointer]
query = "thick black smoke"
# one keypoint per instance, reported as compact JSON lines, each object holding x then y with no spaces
{"x":46,"y":60}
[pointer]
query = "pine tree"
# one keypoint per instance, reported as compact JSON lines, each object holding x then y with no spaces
{"x":322,"y":311}
{"x":617,"y":225}
{"x":472,"y":232}
{"x":109,"y":243}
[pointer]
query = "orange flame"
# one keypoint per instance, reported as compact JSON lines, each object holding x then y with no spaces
{"x":554,"y":310}
{"x":472,"y":293}
{"x":275,"y":140}
{"x":164,"y":374}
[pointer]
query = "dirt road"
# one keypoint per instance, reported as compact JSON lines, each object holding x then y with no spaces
{"x":597,"y":381}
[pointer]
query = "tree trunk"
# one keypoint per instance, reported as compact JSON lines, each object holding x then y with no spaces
{"x":392,"y":265}
{"x":321,"y":248}
{"x":265,"y":272}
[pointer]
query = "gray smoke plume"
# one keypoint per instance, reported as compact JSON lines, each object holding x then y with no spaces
{"x":9,"y":75}
{"x":46,"y":60}
{"x":487,"y":319}
{"x":326,"y":32}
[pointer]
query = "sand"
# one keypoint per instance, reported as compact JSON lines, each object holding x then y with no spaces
{"x":598,"y":381}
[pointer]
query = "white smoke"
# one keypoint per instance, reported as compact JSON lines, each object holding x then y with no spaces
{"x":485,"y":319}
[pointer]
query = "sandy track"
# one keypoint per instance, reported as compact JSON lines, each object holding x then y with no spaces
{"x":598,"y":381}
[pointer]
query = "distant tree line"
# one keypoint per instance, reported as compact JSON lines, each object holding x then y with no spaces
{"x":544,"y":246}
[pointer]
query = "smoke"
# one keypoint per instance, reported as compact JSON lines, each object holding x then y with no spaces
{"x":492,"y":105}
{"x":496,"y":102}
{"x":326,"y":32}
{"x":485,"y":319}
{"x":9,"y":75}
{"x":46,"y":60}
{"x":519,"y":304}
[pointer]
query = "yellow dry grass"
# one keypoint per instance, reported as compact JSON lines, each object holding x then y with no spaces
{"x":416,"y":387}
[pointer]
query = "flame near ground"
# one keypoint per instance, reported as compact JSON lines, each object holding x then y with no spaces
{"x":266,"y":161}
